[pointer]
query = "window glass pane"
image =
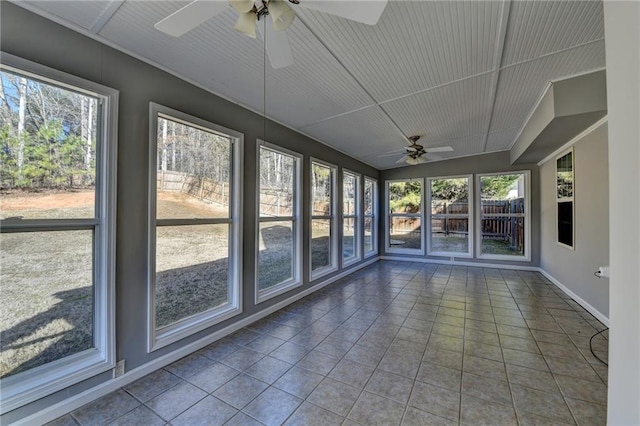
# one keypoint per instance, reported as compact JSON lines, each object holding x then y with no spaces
{"x":368,"y":235}
{"x":404,"y":232}
{"x":277,"y":173}
{"x":564,"y":167}
{"x":321,"y":182}
{"x":47,"y":297}
{"x":449,"y":205}
{"x":47,"y":150}
{"x":275,"y":259}
{"x":368,"y":197}
{"x":502,"y":208}
{"x":349,"y":194}
{"x":565,"y":223}
{"x":193,"y":172}
{"x":405,"y":197}
{"x":191,"y":270}
{"x":349,"y":249}
{"x":320,"y":243}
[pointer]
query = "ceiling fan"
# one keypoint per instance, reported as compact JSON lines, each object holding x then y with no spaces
{"x":277,"y":14}
{"x":417,"y":154}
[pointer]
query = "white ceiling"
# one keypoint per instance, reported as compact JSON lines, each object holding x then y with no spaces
{"x":464,"y":74}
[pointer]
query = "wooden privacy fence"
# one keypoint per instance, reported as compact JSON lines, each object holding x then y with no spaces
{"x":273,"y":202}
{"x":501,"y":220}
{"x":452,"y":218}
{"x":504,"y":220}
{"x":201,"y":188}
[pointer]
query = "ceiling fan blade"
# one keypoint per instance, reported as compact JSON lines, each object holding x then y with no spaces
{"x":364,"y":11}
{"x":246,"y":24}
{"x":190,"y":16}
{"x":434,"y":157}
{"x":390,"y":153}
{"x":403,"y":159}
{"x":276,"y":44}
{"x":439,"y":149}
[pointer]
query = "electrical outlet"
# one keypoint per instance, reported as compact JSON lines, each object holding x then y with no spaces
{"x":119,"y":370}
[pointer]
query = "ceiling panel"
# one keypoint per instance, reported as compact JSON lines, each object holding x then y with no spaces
{"x":229,"y":63}
{"x":359,"y":133}
{"x":415,"y":45}
{"x":520,"y":86}
{"x":541,"y":27}
{"x":448,"y":112}
{"x":501,"y":140}
{"x":81,"y":13}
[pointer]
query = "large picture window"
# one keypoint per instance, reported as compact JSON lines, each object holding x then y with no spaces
{"x":323,"y":219}
{"x":279,"y":228}
{"x":564,"y":198}
{"x":194,"y":242}
{"x":504,"y":230}
{"x":370,"y":217}
{"x":404,"y":221}
{"x":449,"y":216}
{"x":351,"y":216}
{"x":57,"y":211}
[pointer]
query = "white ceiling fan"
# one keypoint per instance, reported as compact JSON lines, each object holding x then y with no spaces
{"x":418,"y":154}
{"x":277,"y":14}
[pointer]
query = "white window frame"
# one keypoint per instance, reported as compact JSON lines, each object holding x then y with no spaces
{"x":469,"y":216}
{"x":332,"y":217}
{"x":163,"y":336}
{"x":373,"y":216}
{"x":527,"y":218}
{"x":357,"y":218}
{"x":295,"y":219}
{"x":566,"y":199}
{"x":388,"y":215}
{"x":38,"y":382}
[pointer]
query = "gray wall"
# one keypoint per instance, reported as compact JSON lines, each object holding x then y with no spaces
{"x":574,"y":268}
{"x":487,"y":163}
{"x":37,"y":39}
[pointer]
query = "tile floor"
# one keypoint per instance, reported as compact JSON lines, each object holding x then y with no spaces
{"x":394,"y":343}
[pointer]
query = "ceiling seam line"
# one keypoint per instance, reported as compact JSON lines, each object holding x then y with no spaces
{"x":499,"y":58}
{"x":342,"y":114}
{"x":439,"y":86}
{"x":526,"y":61}
{"x":418,"y":92}
{"x":348,"y":71}
{"x":106,"y":15}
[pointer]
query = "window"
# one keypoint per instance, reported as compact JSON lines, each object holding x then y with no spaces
{"x":564,"y":179}
{"x":323,"y":224}
{"x":404,"y":217}
{"x":57,"y":198}
{"x":370,"y":217}
{"x":279,"y":228}
{"x":504,"y":216}
{"x":449,"y":218}
{"x":350,"y":217}
{"x":194,"y":215}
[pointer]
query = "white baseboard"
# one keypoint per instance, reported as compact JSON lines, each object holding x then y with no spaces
{"x":593,"y":311}
{"x":77,"y":401}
